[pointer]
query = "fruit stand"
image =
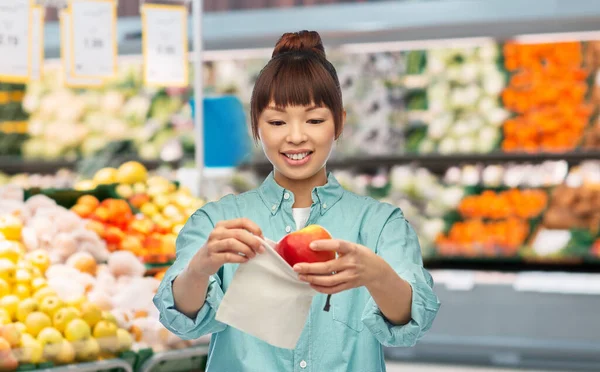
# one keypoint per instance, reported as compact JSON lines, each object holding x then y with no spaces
{"x":492,"y":155}
{"x":78,"y":269}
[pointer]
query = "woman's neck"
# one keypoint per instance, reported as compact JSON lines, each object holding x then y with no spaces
{"x":302,"y":189}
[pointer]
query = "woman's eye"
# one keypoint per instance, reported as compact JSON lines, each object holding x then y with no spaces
{"x":276,"y":122}
{"x":315,"y":121}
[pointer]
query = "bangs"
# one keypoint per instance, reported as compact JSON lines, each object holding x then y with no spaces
{"x":300,"y":84}
{"x":297,"y":80}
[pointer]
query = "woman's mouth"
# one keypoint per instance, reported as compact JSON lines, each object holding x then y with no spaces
{"x":296,"y":159}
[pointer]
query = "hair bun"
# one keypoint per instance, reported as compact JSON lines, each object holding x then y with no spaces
{"x":299,"y":41}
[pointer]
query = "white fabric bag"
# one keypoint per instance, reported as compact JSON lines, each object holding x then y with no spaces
{"x":267,"y":300}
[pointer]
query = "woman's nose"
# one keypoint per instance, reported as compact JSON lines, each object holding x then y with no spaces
{"x":296,"y":134}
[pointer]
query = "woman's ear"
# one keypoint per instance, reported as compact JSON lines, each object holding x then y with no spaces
{"x":341,"y":130}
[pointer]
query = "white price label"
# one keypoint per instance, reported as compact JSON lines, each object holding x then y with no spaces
{"x":37,"y":42}
{"x":15,"y":45}
{"x":93,"y":37}
{"x":65,"y":51}
{"x":165,"y":45}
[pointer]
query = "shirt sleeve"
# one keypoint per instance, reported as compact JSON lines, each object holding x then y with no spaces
{"x":399,"y":246}
{"x":190,"y":239}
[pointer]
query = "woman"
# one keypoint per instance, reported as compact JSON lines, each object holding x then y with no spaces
{"x":383,"y":295}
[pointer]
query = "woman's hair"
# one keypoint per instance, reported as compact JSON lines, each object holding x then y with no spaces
{"x":298,"y":74}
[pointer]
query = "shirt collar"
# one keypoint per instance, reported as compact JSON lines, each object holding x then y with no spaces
{"x":325,"y":196}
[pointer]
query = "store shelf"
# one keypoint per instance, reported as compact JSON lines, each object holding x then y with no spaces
{"x":14,"y":165}
{"x":382,"y":21}
{"x":496,"y":324}
{"x":439,"y":163}
{"x":112,"y":365}
{"x":190,"y":359}
{"x":515,"y":264}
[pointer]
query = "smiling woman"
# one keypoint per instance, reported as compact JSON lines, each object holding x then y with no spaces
{"x":382,"y":295}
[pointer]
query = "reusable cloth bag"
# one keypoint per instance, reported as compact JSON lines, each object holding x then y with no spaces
{"x":267,"y":300}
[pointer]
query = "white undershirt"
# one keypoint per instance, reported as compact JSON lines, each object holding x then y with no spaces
{"x":300,"y":216}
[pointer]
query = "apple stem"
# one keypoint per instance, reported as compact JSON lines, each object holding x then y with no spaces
{"x":327,"y":305}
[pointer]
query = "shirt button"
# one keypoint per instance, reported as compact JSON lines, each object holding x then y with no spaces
{"x":288,"y":229}
{"x":324,"y":205}
{"x":274,"y":207}
{"x":286,"y":196}
{"x":303,"y":364}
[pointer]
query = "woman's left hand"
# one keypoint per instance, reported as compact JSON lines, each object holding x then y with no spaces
{"x":356,"y":266}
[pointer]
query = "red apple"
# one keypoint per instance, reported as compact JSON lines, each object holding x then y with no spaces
{"x":295,"y":246}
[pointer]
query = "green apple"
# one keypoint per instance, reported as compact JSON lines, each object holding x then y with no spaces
{"x":51,"y":304}
{"x":87,"y":350}
{"x":66,"y":354}
{"x":63,"y":316}
{"x":51,"y":340}
{"x":77,"y":330}
{"x":36,"y":322}
{"x":26,"y":307}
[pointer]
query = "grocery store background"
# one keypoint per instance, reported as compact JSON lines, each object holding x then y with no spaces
{"x":479,"y":118}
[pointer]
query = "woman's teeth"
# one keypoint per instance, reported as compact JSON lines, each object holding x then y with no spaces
{"x":297,"y":156}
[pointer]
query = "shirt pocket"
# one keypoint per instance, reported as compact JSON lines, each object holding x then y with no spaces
{"x":347,"y":308}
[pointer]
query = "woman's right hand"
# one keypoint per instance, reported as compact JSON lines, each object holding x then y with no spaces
{"x":231,"y":241}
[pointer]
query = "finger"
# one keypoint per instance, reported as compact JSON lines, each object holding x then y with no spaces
{"x":336,"y":245}
{"x":241,"y":223}
{"x":327,"y":280}
{"x":229,"y":257}
{"x":234,"y":246}
{"x":319,"y":268}
{"x":332,"y":290}
{"x":245,"y":237}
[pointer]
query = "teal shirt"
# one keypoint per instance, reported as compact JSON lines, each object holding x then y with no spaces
{"x":347,"y":338}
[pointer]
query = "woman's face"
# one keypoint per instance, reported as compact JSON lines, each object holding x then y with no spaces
{"x":297,"y":140}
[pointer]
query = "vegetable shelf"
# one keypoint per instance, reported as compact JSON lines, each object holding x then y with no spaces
{"x":438,"y":163}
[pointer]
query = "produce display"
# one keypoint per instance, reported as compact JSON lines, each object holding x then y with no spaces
{"x":462,"y":96}
{"x":494,"y":224}
{"x":495,"y":211}
{"x":591,"y":139}
{"x":74,"y":286}
{"x":163,"y":210}
{"x":63,"y":178}
{"x":506,"y":204}
{"x":480,"y":98}
{"x":376,"y":99}
{"x":43,"y":317}
{"x":154,"y":122}
{"x":547,"y":92}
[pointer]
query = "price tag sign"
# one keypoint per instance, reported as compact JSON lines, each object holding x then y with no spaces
{"x":65,"y":51}
{"x":93,"y":37}
{"x":37,"y":42}
{"x":165,"y":45}
{"x":15,"y":41}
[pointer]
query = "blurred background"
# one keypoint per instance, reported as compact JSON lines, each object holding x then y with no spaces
{"x":479,"y":118}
